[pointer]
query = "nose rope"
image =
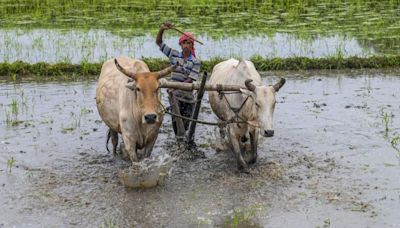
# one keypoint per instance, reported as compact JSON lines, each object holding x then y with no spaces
{"x":236,"y":111}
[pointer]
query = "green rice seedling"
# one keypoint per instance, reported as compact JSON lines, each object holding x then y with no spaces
{"x":14,"y":107}
{"x":394,"y":142}
{"x":108,"y":223}
{"x":85,"y":110}
{"x":29,"y":174}
{"x":386,"y":118}
{"x":10,"y":164}
{"x":327,"y":223}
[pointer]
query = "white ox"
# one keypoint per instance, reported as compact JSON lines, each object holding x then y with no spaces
{"x":257,"y":102}
{"x":127,"y":98}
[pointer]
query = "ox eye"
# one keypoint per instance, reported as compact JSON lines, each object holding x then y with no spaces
{"x":258,"y":105}
{"x":138,"y":89}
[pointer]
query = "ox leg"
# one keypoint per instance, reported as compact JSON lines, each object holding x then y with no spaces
{"x":222,"y":131}
{"x":254,"y":144}
{"x":130,"y":146}
{"x":149,"y":147}
{"x":114,"y":140}
{"x":128,"y":135}
{"x":235,"y":143}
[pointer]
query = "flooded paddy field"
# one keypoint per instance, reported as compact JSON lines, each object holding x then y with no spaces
{"x":334,"y":160}
{"x":80,"y":31}
{"x":72,"y":46}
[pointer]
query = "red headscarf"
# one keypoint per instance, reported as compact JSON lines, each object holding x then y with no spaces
{"x":188,"y":36}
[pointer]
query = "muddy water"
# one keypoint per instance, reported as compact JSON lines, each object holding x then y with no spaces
{"x":329,"y":163}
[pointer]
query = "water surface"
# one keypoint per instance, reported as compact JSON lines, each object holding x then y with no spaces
{"x":328,"y":163}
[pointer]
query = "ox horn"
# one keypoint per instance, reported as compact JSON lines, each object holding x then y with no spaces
{"x":249,"y":85}
{"x":278,"y":85}
{"x":166,"y":71}
{"x":124,"y":71}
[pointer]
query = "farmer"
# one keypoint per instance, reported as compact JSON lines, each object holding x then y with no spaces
{"x":187,"y":70}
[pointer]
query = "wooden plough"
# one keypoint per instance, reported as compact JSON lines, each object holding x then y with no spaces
{"x":201,"y":87}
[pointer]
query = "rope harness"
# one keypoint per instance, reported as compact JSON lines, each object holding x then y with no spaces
{"x":236,"y":119}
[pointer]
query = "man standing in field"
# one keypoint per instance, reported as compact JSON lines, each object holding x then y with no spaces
{"x":187,"y":70}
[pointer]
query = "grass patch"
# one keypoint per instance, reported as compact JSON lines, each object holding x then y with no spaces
{"x":108,"y":223}
{"x":68,"y":71}
{"x":242,"y":217}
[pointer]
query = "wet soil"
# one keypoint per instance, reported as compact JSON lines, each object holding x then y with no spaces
{"x":330,"y":163}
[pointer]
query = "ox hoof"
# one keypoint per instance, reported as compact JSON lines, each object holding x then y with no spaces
{"x":253,"y":159}
{"x":124,"y":154}
{"x":250,"y":157}
{"x":242,"y":167}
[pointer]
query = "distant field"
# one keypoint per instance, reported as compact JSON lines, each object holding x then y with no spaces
{"x":313,"y":28}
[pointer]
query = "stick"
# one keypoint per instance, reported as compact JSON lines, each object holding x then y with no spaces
{"x":195,"y":114}
{"x":187,"y":36}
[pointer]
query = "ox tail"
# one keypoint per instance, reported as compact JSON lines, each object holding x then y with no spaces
{"x":108,"y":139}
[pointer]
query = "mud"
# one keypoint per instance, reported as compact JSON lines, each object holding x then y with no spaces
{"x":330,"y":163}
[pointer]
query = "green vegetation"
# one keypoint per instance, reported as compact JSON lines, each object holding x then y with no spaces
{"x":12,"y":115}
{"x":372,"y":23}
{"x":10,"y":163}
{"x":375,"y":25}
{"x":242,"y":217}
{"x":66,"y":71}
{"x":394,"y":142}
{"x":392,"y":137}
{"x":85,"y":110}
{"x":386,"y":118}
{"x":14,"y":107}
{"x":108,"y":223}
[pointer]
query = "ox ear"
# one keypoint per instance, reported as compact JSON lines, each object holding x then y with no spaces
{"x":278,"y":85}
{"x":166,"y":71}
{"x":124,"y":71}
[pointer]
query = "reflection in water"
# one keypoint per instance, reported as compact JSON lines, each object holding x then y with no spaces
{"x":42,"y":45}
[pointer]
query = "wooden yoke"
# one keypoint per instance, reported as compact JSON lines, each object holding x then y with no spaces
{"x":163,"y":83}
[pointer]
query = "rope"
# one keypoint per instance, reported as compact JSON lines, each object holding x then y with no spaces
{"x":220,"y":124}
{"x":185,"y":100}
{"x":191,"y":119}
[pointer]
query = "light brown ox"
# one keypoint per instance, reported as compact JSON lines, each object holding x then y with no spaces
{"x":127,"y":98}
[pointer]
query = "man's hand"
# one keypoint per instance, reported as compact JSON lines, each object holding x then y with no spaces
{"x":166,"y":26}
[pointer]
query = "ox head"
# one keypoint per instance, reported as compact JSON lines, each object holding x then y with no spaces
{"x":146,"y":88}
{"x":264,"y":104}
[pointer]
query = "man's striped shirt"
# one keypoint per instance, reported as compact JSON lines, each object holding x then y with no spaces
{"x":185,"y":69}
